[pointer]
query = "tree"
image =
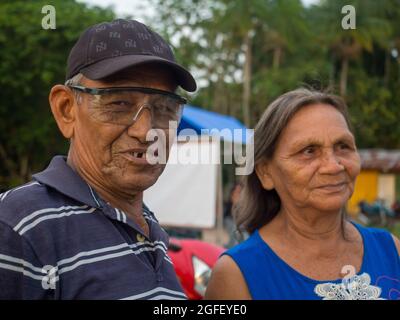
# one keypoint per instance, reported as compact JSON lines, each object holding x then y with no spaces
{"x":348,"y":44}
{"x":31,"y":61}
{"x":224,"y":37}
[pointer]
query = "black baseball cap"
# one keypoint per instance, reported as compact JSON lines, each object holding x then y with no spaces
{"x":109,"y":47}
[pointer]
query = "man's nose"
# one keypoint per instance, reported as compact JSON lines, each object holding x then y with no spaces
{"x":142,"y":124}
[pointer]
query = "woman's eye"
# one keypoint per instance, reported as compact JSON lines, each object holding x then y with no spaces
{"x":344,"y":146}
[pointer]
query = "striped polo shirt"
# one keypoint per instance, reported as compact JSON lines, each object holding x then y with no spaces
{"x":60,"y":240}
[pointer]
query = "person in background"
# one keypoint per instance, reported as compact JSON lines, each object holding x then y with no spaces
{"x":301,"y":245}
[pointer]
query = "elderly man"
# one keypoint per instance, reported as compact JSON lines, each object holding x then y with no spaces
{"x":80,"y":230}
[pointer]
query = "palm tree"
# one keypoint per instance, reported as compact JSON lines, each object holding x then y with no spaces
{"x":277,"y":22}
{"x":285,"y":25}
{"x":236,"y":20}
{"x":347,"y":45}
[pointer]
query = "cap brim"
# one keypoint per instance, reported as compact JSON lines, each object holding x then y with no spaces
{"x":107,"y":67}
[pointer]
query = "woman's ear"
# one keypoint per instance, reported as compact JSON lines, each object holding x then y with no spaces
{"x":63,"y":107}
{"x":262,"y":171}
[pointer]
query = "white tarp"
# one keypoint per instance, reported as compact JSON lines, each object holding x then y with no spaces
{"x":185,"y":195}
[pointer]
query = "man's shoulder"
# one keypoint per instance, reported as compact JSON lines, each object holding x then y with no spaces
{"x":19,"y":202}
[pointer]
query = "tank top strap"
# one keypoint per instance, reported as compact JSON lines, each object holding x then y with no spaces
{"x":380,"y":252}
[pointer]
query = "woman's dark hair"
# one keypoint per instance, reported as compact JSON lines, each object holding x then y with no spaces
{"x":257,"y":205}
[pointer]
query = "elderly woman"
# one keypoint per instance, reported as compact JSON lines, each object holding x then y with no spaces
{"x":301,"y":246}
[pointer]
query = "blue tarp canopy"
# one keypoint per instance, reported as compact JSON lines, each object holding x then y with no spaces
{"x":199,"y":119}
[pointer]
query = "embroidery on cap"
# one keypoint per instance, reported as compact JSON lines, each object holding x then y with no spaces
{"x":143,"y":36}
{"x":128,"y":25}
{"x":101,"y":46}
{"x":114,"y":34}
{"x":130,"y":43}
{"x":100,"y":28}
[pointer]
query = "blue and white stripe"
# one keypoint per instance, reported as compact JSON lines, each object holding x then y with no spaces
{"x":39,"y":216}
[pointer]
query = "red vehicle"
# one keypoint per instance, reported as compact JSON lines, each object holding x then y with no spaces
{"x":193,"y":261}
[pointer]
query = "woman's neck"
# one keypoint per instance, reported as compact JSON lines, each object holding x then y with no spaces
{"x":311,"y":225}
{"x":318,"y":234}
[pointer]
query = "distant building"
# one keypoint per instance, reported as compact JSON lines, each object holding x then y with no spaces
{"x":377,"y":179}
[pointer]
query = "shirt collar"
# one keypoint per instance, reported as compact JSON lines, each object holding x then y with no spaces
{"x":60,"y":176}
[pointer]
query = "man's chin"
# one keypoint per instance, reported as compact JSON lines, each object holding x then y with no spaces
{"x":137,"y":182}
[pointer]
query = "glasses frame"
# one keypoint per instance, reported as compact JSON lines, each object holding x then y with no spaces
{"x":103,"y":91}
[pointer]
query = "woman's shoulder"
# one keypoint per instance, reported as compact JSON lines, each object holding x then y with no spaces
{"x":379,"y":237}
{"x":250,"y":244}
{"x":227,"y":281}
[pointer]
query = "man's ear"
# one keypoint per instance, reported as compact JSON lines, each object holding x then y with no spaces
{"x":264,"y":175}
{"x":62,"y":104}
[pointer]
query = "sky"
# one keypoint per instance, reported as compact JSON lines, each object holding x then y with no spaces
{"x":137,"y":9}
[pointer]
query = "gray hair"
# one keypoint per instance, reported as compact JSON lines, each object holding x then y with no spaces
{"x":74,"y":81}
{"x":259,"y":206}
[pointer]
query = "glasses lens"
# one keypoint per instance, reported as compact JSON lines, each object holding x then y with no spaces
{"x":115,"y":108}
{"x":165,"y":109}
{"x":122,"y":108}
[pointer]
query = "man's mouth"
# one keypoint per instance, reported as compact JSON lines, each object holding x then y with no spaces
{"x":137,"y":156}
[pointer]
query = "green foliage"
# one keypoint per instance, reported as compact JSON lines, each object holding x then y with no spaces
{"x":32,"y":60}
{"x":393,"y":228}
{"x":293,"y":46}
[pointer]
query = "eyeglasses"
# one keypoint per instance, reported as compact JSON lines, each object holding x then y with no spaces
{"x":123,"y":105}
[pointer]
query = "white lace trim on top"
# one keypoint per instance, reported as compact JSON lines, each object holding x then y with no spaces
{"x":357,"y":287}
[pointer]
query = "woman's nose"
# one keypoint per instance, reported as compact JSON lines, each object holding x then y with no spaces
{"x":330,"y":163}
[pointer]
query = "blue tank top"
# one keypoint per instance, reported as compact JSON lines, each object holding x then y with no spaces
{"x":269,"y":277}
